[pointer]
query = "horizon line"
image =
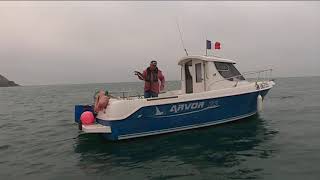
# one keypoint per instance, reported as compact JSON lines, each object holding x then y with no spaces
{"x":21,"y":85}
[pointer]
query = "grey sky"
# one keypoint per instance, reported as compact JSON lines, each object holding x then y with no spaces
{"x":88,"y":42}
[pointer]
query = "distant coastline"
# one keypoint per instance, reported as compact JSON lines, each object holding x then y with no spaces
{"x":4,"y":82}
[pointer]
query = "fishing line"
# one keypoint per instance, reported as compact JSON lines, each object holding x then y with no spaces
{"x":181,"y":37}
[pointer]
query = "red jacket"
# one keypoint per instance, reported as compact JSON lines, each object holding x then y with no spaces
{"x":152,"y":83}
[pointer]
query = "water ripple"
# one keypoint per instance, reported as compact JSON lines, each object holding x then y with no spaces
{"x":39,"y":140}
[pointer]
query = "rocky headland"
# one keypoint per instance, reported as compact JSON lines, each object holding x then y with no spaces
{"x":4,"y":82}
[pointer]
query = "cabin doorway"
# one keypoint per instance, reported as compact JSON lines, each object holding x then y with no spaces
{"x":188,"y":76}
{"x":198,"y":80}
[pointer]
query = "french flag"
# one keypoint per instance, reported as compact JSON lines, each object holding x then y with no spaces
{"x":217,"y":45}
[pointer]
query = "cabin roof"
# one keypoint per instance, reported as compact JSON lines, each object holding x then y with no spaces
{"x":204,"y":58}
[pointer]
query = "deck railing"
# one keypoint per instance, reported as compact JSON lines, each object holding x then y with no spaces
{"x":261,"y":75}
{"x":125,"y":94}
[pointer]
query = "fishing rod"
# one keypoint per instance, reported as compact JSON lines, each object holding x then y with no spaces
{"x":181,"y":38}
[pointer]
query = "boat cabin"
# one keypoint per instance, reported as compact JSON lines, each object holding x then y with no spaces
{"x":206,"y":73}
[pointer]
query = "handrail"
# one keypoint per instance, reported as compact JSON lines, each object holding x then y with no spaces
{"x":253,"y":72}
{"x":125,"y":94}
{"x":245,"y":73}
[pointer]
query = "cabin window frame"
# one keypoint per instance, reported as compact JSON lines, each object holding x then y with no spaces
{"x":230,"y":73}
{"x":198,"y":73}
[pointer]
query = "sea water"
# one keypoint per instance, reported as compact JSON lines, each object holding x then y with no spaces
{"x":39,"y":139}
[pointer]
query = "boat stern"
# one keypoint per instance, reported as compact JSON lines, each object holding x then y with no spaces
{"x":91,"y":128}
{"x":79,"y":109}
{"x":95,"y":128}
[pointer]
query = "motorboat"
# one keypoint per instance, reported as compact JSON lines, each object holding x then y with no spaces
{"x":212,"y":92}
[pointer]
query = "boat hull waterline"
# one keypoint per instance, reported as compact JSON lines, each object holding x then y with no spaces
{"x":166,"y":118}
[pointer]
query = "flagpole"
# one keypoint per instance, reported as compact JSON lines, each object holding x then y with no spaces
{"x":206,"y":47}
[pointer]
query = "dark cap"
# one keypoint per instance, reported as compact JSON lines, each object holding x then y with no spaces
{"x":153,"y":62}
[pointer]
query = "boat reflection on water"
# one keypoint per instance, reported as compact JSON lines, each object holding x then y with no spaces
{"x":230,"y":150}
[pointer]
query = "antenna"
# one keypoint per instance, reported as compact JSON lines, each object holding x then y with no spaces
{"x":181,"y":38}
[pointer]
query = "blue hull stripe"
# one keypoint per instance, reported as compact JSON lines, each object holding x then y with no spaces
{"x":159,"y":119}
{"x":184,"y":127}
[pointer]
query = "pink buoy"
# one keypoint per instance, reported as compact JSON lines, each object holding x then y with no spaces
{"x":87,"y":118}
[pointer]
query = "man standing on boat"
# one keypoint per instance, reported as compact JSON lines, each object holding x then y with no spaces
{"x":151,"y":77}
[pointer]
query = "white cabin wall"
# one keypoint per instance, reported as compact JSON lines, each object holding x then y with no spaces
{"x":215,"y":80}
{"x":212,"y":75}
{"x":212,"y":80}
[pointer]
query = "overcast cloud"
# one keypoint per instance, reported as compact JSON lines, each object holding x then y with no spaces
{"x":89,"y":42}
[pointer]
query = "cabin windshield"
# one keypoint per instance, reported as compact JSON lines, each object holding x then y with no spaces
{"x":228,"y":71}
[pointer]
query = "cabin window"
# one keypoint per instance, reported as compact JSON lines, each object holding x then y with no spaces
{"x":198,"y":72}
{"x":228,"y":71}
